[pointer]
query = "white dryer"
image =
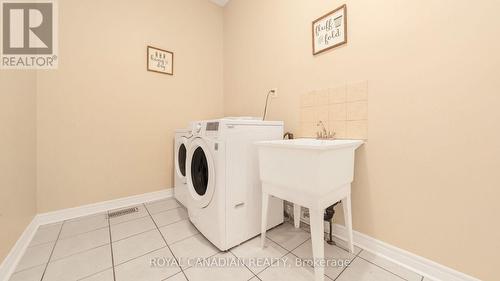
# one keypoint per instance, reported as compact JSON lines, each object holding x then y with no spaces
{"x":224,"y":200}
{"x":180,"y":153}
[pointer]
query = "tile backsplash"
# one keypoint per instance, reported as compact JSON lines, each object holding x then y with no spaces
{"x":343,"y":110}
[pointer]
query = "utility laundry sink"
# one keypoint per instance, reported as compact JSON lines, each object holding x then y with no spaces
{"x":307,"y":165}
{"x":312,"y":173}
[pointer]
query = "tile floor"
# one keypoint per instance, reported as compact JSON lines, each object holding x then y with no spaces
{"x":159,"y":243}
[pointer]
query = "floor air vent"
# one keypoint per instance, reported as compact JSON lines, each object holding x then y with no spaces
{"x":123,"y":212}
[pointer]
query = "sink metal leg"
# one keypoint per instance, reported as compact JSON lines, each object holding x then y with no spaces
{"x":296,"y":215}
{"x":329,"y":213}
{"x":330,"y":240}
{"x":346,"y":204}
{"x":263,"y":226}
{"x":318,"y":246}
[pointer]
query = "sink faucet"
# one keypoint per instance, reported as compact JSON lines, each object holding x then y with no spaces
{"x":324,"y":134}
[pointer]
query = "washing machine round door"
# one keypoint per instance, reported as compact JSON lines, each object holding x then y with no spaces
{"x":200,"y":173}
{"x":180,"y":158}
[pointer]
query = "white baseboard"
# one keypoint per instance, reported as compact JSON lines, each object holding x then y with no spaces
{"x":9,"y":263}
{"x":418,"y":264}
{"x":85,"y":210}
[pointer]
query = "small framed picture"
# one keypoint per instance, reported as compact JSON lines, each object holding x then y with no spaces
{"x":330,"y":30}
{"x":160,"y":61}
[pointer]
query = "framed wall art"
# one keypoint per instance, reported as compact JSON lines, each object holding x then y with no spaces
{"x":160,"y":61}
{"x":330,"y":30}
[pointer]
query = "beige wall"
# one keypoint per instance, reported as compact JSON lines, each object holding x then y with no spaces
{"x":427,"y":180}
{"x":105,"y":124}
{"x":17,"y":155}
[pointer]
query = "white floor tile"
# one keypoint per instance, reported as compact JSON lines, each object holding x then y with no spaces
{"x":141,"y":212}
{"x":288,"y":270}
{"x":83,"y":225}
{"x":43,"y":226}
{"x":338,"y":242}
{"x":106,"y":275}
{"x":194,"y":247}
{"x":141,"y":268}
{"x":80,"y":243}
{"x":100,"y":214}
{"x":34,"y":256}
{"x":32,"y":274}
{"x":80,"y":265}
{"x":256,"y":258}
{"x":287,"y":236}
{"x":177,"y":231}
{"x":390,"y":266}
{"x":170,"y":216}
{"x":361,"y":270}
{"x":177,"y":277}
{"x":218,"y":272}
{"x":136,"y":246}
{"x":336,"y":257}
{"x":132,"y":227}
{"x":162,"y":205}
{"x":83,"y":252}
{"x":46,"y":234}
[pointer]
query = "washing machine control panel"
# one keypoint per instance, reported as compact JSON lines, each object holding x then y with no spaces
{"x":206,"y":128}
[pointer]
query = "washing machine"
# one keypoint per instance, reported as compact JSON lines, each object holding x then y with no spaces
{"x":224,"y":190}
{"x":182,"y":137}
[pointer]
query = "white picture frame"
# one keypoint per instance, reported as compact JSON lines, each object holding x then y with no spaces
{"x":160,"y":61}
{"x":330,"y":30}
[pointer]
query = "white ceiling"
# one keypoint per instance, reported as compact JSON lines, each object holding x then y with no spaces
{"x":220,"y":2}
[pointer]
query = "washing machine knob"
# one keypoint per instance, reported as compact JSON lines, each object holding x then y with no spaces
{"x":197,"y":128}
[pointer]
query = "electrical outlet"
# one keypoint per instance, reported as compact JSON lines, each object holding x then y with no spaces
{"x":274,"y":93}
